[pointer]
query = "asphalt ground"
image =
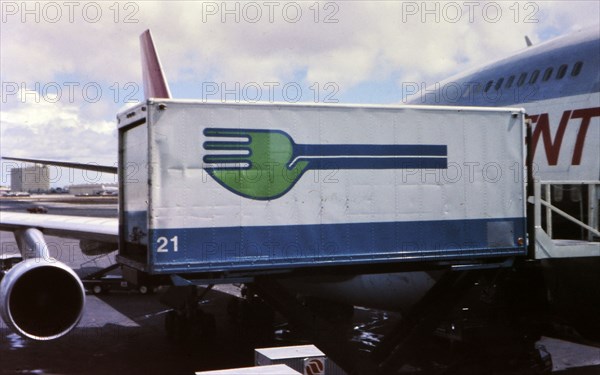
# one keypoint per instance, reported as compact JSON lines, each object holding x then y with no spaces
{"x":123,"y":332}
{"x":120,"y":332}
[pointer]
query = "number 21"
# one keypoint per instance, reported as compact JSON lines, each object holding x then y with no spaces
{"x":163,"y":244}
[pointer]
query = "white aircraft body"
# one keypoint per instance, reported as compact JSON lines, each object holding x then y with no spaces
{"x":558,"y":83}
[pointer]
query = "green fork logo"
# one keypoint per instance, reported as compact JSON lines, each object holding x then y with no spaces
{"x":266,"y":164}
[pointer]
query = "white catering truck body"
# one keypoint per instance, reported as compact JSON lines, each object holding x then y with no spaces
{"x":216,"y":187}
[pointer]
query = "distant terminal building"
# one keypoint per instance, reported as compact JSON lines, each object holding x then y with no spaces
{"x":94,"y":189}
{"x":33,"y":179}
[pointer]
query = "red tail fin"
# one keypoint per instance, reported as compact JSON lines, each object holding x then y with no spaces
{"x":155,"y":83}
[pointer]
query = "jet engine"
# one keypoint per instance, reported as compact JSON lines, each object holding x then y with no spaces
{"x":40,"y":297}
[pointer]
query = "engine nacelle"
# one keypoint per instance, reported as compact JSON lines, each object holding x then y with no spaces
{"x":41,"y":299}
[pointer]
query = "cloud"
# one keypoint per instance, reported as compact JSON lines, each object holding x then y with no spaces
{"x":43,"y":129}
{"x":345,"y":42}
{"x":359,"y":45}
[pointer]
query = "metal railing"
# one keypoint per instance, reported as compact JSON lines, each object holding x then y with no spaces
{"x":592,"y":207}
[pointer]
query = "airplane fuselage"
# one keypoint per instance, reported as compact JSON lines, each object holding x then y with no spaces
{"x":558,"y":84}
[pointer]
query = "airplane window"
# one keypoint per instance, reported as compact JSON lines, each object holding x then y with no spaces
{"x":488,"y":85}
{"x":576,"y":68}
{"x":562,"y":70}
{"x":510,"y":81}
{"x":499,"y":84}
{"x":534,"y":76}
{"x":547,"y":74}
{"x":521,"y":80}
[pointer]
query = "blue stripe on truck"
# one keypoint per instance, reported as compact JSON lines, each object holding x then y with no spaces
{"x":292,"y":246}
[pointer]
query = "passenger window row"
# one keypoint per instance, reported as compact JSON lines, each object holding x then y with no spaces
{"x":560,"y":74}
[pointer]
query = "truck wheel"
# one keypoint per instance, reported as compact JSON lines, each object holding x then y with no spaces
{"x":97,"y":289}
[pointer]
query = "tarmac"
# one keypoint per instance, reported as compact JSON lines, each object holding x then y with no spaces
{"x":123,"y":331}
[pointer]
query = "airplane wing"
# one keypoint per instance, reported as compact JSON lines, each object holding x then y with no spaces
{"x":78,"y":227}
{"x":84,"y":166}
{"x":95,"y":233}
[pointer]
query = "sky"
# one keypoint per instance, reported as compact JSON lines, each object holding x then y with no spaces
{"x":68,"y":67}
